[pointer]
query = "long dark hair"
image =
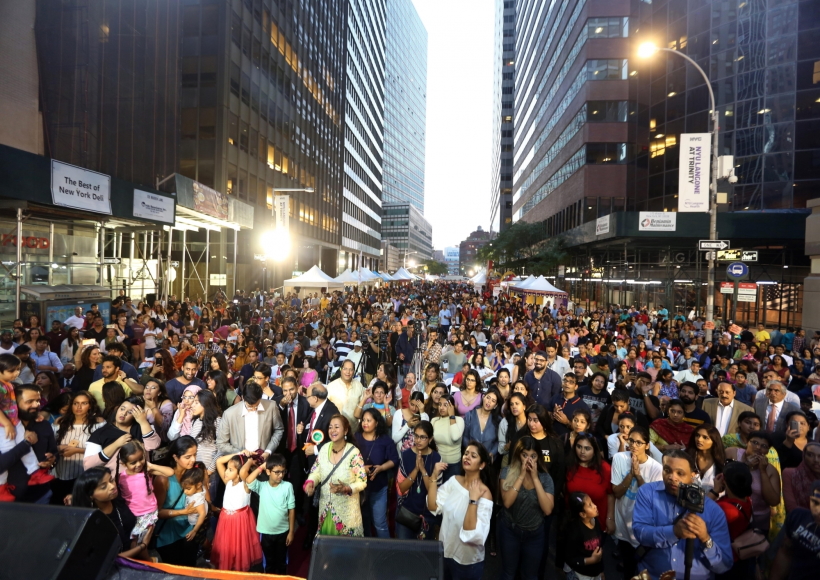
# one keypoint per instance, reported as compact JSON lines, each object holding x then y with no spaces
{"x":221,"y":360}
{"x":508,"y":411}
{"x":85,"y":484}
{"x":169,"y":369}
{"x":486,"y":474}
{"x":221,"y":387}
{"x":381,"y":424}
{"x":209,"y":416}
{"x":495,"y":414}
{"x":596,"y":464}
{"x":178,"y":448}
{"x":543,"y":417}
{"x":66,"y":422}
{"x":717,"y":450}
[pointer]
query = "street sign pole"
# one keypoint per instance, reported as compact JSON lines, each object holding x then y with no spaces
{"x":734,"y":301}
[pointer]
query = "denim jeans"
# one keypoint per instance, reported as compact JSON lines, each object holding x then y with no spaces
{"x":520,"y":550}
{"x":374,"y":513}
{"x":455,"y":571}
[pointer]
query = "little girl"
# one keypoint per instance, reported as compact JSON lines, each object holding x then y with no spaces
{"x":236,"y":543}
{"x":13,"y":431}
{"x":193,"y":485}
{"x":584,"y":555}
{"x":135,"y":486}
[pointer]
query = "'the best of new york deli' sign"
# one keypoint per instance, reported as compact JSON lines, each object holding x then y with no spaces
{"x":79,"y":188}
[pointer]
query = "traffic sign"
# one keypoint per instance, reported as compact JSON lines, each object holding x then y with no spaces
{"x":737,"y":270}
{"x":737,"y":255}
{"x":749,"y":256}
{"x":714,"y":244}
{"x":111,"y":260}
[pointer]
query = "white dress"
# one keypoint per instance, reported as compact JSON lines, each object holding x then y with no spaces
{"x":235,"y":497}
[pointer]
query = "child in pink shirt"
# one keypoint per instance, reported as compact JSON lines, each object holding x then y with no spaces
{"x":135,"y":486}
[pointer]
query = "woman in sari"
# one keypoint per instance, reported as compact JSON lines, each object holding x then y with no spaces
{"x":338,"y":475}
{"x":671,"y":433}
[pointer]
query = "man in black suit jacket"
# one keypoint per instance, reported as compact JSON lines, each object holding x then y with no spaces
{"x":295,"y":411}
{"x":321,"y":411}
{"x":66,"y":378}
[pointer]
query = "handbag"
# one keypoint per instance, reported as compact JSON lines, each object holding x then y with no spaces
{"x":408,"y":519}
{"x":329,"y":475}
{"x":751,"y":543}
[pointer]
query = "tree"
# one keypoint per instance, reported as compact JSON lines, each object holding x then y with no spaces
{"x":525,"y":244}
{"x":434,"y":267}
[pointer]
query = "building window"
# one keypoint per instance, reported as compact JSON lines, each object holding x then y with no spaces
{"x":607,"y":69}
{"x":607,"y":111}
{"x":607,"y":153}
{"x":608,"y":27}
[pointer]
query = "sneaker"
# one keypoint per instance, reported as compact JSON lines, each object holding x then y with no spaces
{"x":5,"y":492}
{"x":40,"y":477}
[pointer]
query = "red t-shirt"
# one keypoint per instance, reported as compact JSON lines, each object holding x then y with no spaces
{"x":588,"y":481}
{"x":738,"y":521}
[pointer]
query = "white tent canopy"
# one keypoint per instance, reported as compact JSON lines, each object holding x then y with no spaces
{"x":385,"y":276}
{"x":366,"y":275}
{"x":348,"y":277}
{"x":539,"y":285}
{"x":402,"y":275}
{"x":524,"y":283}
{"x":313,"y":278}
{"x":479,"y":279}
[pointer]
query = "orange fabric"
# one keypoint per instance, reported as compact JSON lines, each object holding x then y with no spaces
{"x":212,"y":574}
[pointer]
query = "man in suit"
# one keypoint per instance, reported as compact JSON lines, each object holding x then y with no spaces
{"x":724,"y":409}
{"x":66,"y":377}
{"x":322,"y":410}
{"x":773,"y":408}
{"x":254,"y":424}
{"x":295,"y":411}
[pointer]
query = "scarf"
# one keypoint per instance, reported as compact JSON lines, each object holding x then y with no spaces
{"x":188,"y":419}
{"x":802,"y":481}
{"x":672,"y":433}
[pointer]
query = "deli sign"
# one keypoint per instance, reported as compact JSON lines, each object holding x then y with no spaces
{"x":31,"y":242}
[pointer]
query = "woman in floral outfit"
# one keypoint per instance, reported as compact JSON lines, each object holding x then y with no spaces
{"x":339,"y":511}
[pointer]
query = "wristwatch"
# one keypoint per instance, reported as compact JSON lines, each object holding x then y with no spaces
{"x":709,"y":543}
{"x":452,"y":416}
{"x":475,"y":502}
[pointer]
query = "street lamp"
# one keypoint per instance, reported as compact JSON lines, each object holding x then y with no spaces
{"x":406,"y":253}
{"x":647,"y":50}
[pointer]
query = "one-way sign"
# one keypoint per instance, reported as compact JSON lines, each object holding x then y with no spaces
{"x":714,"y":244}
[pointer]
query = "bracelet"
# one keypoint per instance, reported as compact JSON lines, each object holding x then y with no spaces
{"x":142,"y":545}
{"x":515,"y":489}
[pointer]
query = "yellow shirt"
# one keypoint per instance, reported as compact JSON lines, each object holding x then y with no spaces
{"x":762,"y":336}
{"x":323,"y":303}
{"x":97,"y":387}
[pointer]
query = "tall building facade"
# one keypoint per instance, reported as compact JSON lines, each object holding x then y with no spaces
{"x":363,"y":150}
{"x":763,"y":60}
{"x":572,"y":142}
{"x":503,"y":90}
{"x":451,"y":258}
{"x":405,"y":105}
{"x":262,"y":108}
{"x":468,"y":248}
{"x":404,"y":227}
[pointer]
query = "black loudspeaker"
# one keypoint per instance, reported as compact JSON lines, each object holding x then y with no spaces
{"x":341,"y":558}
{"x":151,"y":298}
{"x":41,"y":542}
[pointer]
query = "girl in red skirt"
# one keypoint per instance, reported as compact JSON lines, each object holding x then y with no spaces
{"x":236,"y":544}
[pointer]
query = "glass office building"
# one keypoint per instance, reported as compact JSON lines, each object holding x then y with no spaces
{"x":405,"y":105}
{"x":572,"y":143}
{"x":763,"y":59}
{"x":503,"y":89}
{"x":404,"y":227}
{"x":363,"y":152}
{"x":262,"y":90}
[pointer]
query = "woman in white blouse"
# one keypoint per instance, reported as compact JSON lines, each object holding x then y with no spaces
{"x":72,"y":431}
{"x":465,"y":503}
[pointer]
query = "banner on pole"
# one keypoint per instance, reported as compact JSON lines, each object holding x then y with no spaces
{"x":282,"y":205}
{"x":693,"y":174}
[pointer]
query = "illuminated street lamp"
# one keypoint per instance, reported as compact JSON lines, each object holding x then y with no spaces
{"x":647,"y":50}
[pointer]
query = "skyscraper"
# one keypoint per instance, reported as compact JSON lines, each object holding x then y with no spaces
{"x":571,"y":108}
{"x":503,"y":87}
{"x":363,"y":152}
{"x":405,"y":104}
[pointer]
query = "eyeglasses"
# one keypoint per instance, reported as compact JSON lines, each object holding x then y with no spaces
{"x":422,"y":437}
{"x":633,"y":442}
{"x":191,"y":398}
{"x":278,"y":472}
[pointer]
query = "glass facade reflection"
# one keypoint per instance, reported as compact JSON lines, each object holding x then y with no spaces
{"x":405,"y":105}
{"x":763,"y":58}
{"x":363,"y":153}
{"x":503,"y":87}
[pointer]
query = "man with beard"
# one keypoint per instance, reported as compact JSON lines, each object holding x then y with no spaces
{"x":175,"y":387}
{"x":687,"y":393}
{"x":566,"y":404}
{"x":110,"y":369}
{"x":40,"y":439}
{"x":658,"y":525}
{"x":7,"y":345}
{"x":544,"y":384}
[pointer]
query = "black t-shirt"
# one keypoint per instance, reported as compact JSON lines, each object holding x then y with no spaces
{"x":804,"y":533}
{"x":581,"y":543}
{"x":697,"y":417}
{"x":637,"y":403}
{"x":596,"y":403}
{"x":123,"y":520}
{"x":552,"y":454}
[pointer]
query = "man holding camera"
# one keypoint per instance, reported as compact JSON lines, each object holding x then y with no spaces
{"x":672,"y":510}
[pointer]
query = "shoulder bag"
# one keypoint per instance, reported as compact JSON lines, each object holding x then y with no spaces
{"x":318,"y":490}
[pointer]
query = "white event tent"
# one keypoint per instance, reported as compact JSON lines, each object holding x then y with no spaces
{"x":312,"y":279}
{"x":402,"y":275}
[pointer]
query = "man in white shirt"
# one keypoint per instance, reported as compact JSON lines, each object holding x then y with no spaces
{"x":355,"y":356}
{"x":77,"y":320}
{"x":253,"y":424}
{"x":692,"y":374}
{"x":555,"y":362}
{"x":346,"y":392}
{"x":724,"y":410}
{"x":773,"y":408}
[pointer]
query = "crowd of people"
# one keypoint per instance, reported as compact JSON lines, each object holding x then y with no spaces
{"x":542,"y":434}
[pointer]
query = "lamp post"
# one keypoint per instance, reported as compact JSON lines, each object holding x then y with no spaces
{"x":406,"y":253}
{"x":647,"y":50}
{"x":279,"y":239}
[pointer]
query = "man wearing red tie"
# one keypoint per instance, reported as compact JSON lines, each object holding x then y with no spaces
{"x":295,"y":411}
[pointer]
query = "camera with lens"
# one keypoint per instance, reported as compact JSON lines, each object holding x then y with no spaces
{"x":691,"y":497}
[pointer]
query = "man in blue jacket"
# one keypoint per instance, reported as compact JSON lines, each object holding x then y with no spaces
{"x":405,"y":349}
